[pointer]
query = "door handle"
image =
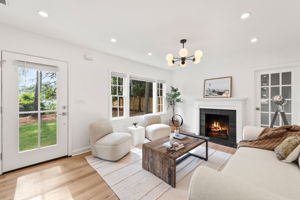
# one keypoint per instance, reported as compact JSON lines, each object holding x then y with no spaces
{"x":257,"y":108}
{"x":62,"y":114}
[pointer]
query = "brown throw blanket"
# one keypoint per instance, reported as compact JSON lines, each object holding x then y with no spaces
{"x":270,"y":138}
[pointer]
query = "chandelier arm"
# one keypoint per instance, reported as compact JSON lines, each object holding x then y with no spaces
{"x":192,"y":56}
{"x":190,"y":59}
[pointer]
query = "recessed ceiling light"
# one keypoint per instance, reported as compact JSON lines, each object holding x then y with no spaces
{"x":113,"y":40}
{"x":149,"y":54}
{"x":245,"y":15}
{"x":43,"y":14}
{"x":254,"y":40}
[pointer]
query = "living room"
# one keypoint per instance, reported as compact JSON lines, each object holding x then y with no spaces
{"x":149,"y":100}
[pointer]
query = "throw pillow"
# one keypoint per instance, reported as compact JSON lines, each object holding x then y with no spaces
{"x":289,"y":149}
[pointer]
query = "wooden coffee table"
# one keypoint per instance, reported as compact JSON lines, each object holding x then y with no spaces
{"x":162,"y":163}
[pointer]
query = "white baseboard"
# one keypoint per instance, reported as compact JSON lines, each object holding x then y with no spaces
{"x":81,"y":150}
{"x":186,"y":129}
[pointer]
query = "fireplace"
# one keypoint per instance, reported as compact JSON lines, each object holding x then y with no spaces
{"x":219,"y":125}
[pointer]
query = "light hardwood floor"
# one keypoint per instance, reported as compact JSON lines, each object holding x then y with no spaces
{"x":65,"y":178}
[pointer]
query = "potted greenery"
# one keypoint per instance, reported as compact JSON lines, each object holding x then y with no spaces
{"x":173,"y":97}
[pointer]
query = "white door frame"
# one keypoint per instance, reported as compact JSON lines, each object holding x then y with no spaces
{"x":37,"y":58}
{"x":295,"y":68}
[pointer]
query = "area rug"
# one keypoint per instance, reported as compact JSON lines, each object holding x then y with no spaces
{"x":130,"y":182}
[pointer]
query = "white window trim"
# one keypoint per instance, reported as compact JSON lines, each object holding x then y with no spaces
{"x":126,"y":85}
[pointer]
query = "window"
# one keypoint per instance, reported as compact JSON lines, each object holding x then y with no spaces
{"x":141,"y":97}
{"x":160,"y":97}
{"x":134,"y":96}
{"x":117,"y":95}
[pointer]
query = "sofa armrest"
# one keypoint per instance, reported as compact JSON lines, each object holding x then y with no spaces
{"x":251,"y":132}
{"x":208,"y":184}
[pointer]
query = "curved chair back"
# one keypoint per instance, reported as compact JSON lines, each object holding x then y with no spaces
{"x":99,"y":129}
{"x":150,"y":119}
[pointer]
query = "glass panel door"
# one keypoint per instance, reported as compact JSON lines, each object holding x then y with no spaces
{"x":272,"y":84}
{"x":35,"y":110}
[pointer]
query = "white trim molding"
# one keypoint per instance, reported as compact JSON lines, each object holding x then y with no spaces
{"x":237,"y":104}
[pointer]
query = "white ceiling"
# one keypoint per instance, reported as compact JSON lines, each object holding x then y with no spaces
{"x":156,"y":26}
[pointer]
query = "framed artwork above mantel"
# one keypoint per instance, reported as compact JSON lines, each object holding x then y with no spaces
{"x":218,"y":87}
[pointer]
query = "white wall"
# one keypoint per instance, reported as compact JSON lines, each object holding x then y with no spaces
{"x":190,"y":81}
{"x":89,"y":80}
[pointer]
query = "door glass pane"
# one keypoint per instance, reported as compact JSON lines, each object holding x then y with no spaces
{"x":265,"y":118}
{"x":277,"y":122}
{"x":288,"y":106}
{"x":287,"y":92}
{"x":28,"y":131}
{"x":275,"y":79}
{"x":274,"y":91}
{"x":48,"y":129}
{"x":28,"y":89}
{"x":48,"y":90}
{"x":286,"y":78}
{"x":265,"y":93}
{"x":264,"y":105}
{"x":289,"y":118}
{"x":273,"y":107}
{"x":265,"y":80}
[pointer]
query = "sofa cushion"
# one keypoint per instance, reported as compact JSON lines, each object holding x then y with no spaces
{"x":156,"y":131}
{"x":262,"y":168}
{"x":289,"y":149}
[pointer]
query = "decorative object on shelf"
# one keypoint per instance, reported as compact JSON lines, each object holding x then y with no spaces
{"x":218,"y":87}
{"x":173,"y":97}
{"x":280,"y":101}
{"x":135,"y":124}
{"x":183,"y":53}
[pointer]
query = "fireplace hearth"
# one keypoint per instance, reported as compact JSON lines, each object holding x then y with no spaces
{"x":219,"y":125}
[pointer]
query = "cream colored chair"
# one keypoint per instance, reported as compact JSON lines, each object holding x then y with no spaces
{"x":154,"y":128}
{"x":106,"y":144}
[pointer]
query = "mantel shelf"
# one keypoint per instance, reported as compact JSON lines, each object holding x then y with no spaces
{"x":223,"y":99}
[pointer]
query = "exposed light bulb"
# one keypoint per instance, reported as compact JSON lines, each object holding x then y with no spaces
{"x":183,"y":64}
{"x":198,"y":54}
{"x":183,"y":52}
{"x":170,"y":62}
{"x":197,"y":60}
{"x":169,"y":57}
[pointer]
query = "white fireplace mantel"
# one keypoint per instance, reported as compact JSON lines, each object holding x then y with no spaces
{"x":237,"y":104}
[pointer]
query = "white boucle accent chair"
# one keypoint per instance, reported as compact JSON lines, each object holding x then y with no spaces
{"x":250,"y":174}
{"x":154,"y":128}
{"x":106,"y":144}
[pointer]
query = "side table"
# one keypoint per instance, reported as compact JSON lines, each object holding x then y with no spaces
{"x":137,"y":134}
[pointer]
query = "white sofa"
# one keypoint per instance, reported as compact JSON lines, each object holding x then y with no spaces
{"x":251,"y":174}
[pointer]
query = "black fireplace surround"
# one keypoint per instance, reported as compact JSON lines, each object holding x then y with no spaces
{"x":225,"y":118}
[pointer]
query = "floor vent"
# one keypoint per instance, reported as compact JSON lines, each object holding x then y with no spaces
{"x":3,"y":2}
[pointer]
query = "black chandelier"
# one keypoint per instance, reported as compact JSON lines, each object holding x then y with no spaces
{"x":183,"y":53}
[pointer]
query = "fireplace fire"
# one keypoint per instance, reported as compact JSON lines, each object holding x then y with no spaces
{"x":216,"y":129}
{"x":219,"y":125}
